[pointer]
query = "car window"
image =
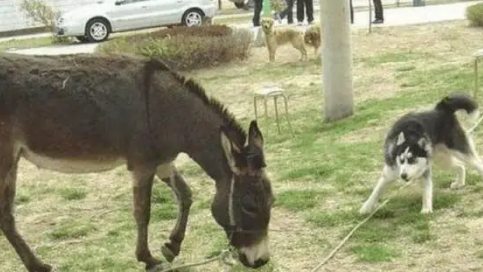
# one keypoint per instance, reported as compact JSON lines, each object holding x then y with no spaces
{"x":124,"y":2}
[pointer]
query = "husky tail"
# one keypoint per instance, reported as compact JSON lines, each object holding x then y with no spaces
{"x":454,"y":102}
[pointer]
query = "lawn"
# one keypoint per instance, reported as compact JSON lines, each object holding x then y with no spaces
{"x":320,"y":177}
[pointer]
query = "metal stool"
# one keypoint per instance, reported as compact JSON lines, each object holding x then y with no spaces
{"x":476,"y":57}
{"x":274,"y":92}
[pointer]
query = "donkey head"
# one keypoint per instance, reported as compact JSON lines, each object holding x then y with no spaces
{"x":243,"y":209}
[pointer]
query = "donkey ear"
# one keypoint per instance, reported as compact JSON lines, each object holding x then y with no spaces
{"x":255,"y":137}
{"x":230,"y":149}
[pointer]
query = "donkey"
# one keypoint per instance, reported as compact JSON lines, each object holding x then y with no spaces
{"x":89,"y":113}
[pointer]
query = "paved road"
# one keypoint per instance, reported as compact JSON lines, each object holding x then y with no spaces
{"x":393,"y":17}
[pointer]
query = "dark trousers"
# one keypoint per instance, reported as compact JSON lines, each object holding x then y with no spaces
{"x":352,"y":11}
{"x":378,"y":9}
{"x":309,"y":10}
{"x":288,"y":11}
{"x":257,"y":11}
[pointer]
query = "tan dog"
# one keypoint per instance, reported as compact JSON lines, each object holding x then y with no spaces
{"x":280,"y":36}
{"x":312,"y":38}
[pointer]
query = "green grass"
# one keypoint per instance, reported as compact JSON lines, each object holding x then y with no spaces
{"x":73,"y":193}
{"x":320,"y":177}
{"x":71,"y":230}
{"x":374,"y":253}
{"x":299,"y":200}
{"x":26,"y":43}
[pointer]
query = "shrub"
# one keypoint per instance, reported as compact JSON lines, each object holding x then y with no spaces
{"x":43,"y":14}
{"x":186,"y":48}
{"x":474,"y":14}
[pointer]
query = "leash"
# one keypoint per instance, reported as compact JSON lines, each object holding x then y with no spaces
{"x":342,"y":243}
{"x":225,"y":257}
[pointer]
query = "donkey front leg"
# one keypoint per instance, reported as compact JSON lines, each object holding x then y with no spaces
{"x":8,"y":173}
{"x":142,"y":189}
{"x":169,"y":175}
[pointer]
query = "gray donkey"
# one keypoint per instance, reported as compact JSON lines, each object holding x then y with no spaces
{"x":86,"y":113}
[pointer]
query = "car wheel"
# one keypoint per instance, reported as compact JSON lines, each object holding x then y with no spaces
{"x":97,"y":30}
{"x":193,"y":17}
{"x":82,"y":39}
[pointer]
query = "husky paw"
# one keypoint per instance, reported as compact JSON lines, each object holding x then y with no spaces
{"x":366,"y":208}
{"x":457,"y":185}
{"x":426,"y":210}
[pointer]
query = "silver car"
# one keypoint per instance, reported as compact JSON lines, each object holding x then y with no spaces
{"x":95,"y":22}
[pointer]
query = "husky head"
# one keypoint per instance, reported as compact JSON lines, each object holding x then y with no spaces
{"x":411,"y":152}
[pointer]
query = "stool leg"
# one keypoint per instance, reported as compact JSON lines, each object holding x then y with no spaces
{"x":255,"y":107}
{"x":276,"y":113}
{"x":267,"y":123}
{"x":286,"y":113}
{"x":475,"y":95}
{"x":265,"y":105}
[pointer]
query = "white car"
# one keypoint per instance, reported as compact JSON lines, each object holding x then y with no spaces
{"x":95,"y":22}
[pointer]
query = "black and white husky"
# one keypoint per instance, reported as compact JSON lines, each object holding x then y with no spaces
{"x":416,"y":139}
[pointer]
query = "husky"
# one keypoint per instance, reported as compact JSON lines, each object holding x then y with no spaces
{"x":419,"y":138}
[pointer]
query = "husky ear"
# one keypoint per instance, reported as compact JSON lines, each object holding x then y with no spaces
{"x":230,"y":149}
{"x":400,"y":139}
{"x":424,"y":144}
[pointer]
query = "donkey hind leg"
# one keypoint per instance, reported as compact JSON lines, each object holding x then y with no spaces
{"x":169,"y":175}
{"x":8,"y":175}
{"x":142,"y":189}
{"x":388,"y":175}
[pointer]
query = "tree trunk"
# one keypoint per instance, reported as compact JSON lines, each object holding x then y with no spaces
{"x":337,"y":59}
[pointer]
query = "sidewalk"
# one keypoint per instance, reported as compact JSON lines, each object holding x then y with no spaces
{"x":404,"y":15}
{"x":392,"y":17}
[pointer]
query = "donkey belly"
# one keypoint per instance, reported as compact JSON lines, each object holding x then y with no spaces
{"x":72,"y":166}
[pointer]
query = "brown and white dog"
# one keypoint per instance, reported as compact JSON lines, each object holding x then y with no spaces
{"x":280,"y":36}
{"x":312,"y":38}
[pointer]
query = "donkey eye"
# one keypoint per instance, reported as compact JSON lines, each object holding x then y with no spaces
{"x":249,"y":209}
{"x":249,"y":206}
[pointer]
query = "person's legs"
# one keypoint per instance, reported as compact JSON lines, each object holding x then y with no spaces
{"x":257,"y":11}
{"x":288,"y":11}
{"x":378,"y":11}
{"x":309,"y":9}
{"x":300,"y":11}
{"x":352,"y":11}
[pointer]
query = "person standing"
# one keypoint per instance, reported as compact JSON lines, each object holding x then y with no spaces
{"x":308,"y":7}
{"x":257,"y":11}
{"x":288,"y":12}
{"x":378,"y":11}
{"x":352,"y":11}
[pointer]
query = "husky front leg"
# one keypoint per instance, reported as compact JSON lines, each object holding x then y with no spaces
{"x":388,"y":175}
{"x":427,"y":184}
{"x":169,"y":175}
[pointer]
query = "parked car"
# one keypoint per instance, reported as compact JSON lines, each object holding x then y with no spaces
{"x":95,"y":22}
{"x":243,"y":4}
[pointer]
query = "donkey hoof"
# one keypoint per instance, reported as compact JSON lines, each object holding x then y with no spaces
{"x":156,"y":268}
{"x":167,"y":253}
{"x":153,"y":264}
{"x":42,"y":268}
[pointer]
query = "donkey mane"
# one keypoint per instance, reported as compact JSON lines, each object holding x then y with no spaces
{"x":195,"y":88}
